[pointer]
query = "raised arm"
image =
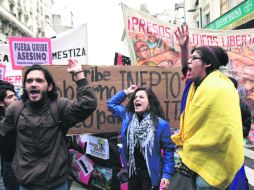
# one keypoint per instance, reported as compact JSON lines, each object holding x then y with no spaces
{"x":86,"y":102}
{"x":114,"y":103}
{"x":182,"y":36}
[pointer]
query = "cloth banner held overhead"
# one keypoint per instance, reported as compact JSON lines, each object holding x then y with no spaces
{"x":8,"y":74}
{"x":2,"y":72}
{"x":149,"y":39}
{"x":152,"y":42}
{"x":121,"y":59}
{"x":72,"y":43}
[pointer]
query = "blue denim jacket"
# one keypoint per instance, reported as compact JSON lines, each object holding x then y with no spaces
{"x":158,"y":166}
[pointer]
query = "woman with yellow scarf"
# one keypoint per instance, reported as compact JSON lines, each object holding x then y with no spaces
{"x":210,"y":137}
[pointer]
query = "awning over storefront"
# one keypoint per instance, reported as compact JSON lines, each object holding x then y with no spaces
{"x":235,"y":18}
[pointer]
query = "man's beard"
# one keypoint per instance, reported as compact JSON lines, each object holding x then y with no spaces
{"x":44,"y":95}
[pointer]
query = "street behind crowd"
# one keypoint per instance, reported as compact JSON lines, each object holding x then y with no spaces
{"x":249,"y":165}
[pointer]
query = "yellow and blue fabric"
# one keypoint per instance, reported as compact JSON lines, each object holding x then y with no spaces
{"x":210,"y":136}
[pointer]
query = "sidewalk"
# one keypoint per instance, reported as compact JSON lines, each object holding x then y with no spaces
{"x":76,"y":186}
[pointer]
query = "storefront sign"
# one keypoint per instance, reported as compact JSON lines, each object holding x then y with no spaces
{"x":235,"y":17}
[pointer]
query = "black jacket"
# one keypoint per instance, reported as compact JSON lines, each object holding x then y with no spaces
{"x":41,"y":158}
{"x":8,"y":150}
{"x":246,"y":118}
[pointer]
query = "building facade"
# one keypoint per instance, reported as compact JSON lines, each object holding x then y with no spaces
{"x":27,"y":18}
{"x":58,"y":26}
{"x":218,"y":14}
{"x":173,"y":15}
{"x":62,"y":18}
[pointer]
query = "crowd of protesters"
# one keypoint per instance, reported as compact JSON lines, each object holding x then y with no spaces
{"x":34,"y":154}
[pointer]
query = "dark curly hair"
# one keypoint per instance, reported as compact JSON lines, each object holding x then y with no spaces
{"x":155,"y":108}
{"x":4,"y":86}
{"x":216,"y":56}
{"x":52,"y":95}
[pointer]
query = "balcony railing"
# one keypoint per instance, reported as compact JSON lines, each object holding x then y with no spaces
{"x":13,"y":20}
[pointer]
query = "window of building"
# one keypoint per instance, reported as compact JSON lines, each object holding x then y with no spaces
{"x":233,"y":3}
{"x":11,"y":7}
{"x":31,"y":11}
{"x":26,"y":18}
{"x":207,"y":18}
{"x":30,"y":27}
{"x":20,"y":15}
{"x":224,"y":6}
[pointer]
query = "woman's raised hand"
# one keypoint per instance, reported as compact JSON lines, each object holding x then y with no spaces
{"x":182,"y":35}
{"x":132,"y":89}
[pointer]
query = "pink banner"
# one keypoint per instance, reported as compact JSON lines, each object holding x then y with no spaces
{"x":29,"y":51}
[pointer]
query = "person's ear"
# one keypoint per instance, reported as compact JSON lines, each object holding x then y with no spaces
{"x":50,"y":87}
{"x":1,"y":103}
{"x":148,"y":108}
{"x":207,"y":65}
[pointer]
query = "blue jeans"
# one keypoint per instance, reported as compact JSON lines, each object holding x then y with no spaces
{"x":61,"y":187}
{"x":202,"y":184}
{"x":2,"y":187}
{"x":10,"y":180}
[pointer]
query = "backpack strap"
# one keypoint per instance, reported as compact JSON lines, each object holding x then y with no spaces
{"x":18,"y":108}
{"x":53,"y":108}
{"x":54,"y":111}
{"x":20,"y":105}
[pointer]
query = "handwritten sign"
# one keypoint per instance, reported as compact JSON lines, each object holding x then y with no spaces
{"x":29,"y":51}
{"x":108,"y":80}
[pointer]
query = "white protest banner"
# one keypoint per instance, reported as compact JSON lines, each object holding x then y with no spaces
{"x":2,"y":72}
{"x":97,"y":147}
{"x":29,"y":51}
{"x":8,"y":74}
{"x":72,"y":43}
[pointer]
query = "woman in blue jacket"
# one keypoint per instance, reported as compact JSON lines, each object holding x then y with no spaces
{"x":144,"y":133}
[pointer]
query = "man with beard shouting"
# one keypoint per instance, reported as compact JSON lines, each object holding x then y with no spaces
{"x":41,"y":160}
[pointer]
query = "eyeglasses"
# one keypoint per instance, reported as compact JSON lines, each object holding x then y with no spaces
{"x":193,"y":58}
